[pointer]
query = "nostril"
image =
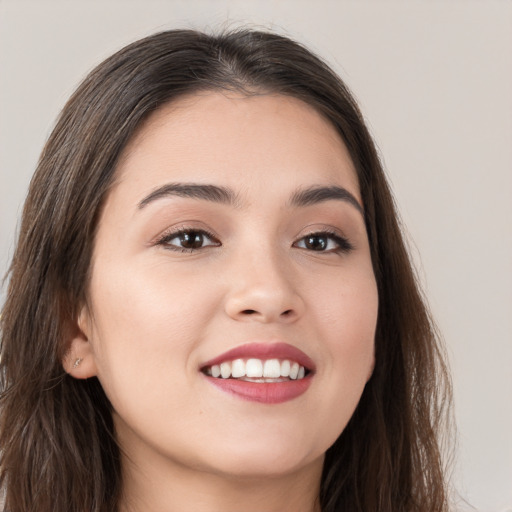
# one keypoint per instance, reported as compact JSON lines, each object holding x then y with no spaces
{"x":288,"y":312}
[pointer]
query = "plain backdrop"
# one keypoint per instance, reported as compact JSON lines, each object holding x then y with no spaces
{"x":434,"y":79}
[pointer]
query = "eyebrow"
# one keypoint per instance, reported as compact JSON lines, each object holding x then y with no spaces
{"x":318,"y":194}
{"x":214,"y":193}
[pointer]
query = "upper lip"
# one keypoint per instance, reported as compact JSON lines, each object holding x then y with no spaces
{"x":264,"y":351}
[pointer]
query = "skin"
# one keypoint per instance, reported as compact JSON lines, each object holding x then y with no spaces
{"x":156,"y":314}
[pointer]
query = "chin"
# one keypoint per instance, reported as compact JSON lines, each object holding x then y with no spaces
{"x":264,"y":457}
{"x":256,"y":466}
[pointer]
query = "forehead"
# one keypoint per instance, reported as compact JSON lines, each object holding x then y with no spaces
{"x":240,"y":139}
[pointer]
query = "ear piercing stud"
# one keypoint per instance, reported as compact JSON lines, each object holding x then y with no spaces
{"x":77,"y":363}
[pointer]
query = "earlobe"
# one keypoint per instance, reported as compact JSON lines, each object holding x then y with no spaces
{"x":79,"y":360}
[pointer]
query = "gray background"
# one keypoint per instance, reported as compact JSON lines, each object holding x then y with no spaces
{"x":434,"y":79}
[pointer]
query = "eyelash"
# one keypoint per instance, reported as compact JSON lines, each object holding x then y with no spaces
{"x":343,"y":243}
{"x":167,"y":237}
{"x":344,"y":246}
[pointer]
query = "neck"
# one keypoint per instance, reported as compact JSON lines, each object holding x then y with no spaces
{"x":175,"y":488}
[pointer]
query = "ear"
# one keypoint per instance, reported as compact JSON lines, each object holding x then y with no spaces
{"x":79,"y":360}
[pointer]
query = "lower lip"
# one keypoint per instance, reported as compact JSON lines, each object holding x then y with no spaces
{"x":263,"y":392}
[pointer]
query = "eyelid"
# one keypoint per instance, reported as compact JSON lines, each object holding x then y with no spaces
{"x":343,"y":242}
{"x":344,"y":245}
{"x":176,"y":231}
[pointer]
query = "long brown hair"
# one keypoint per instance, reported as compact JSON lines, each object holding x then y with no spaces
{"x":57,"y":441}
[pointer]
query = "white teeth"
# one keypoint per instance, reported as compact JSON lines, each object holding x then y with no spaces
{"x":285,"y":368}
{"x":254,"y":368}
{"x":266,"y":370}
{"x":272,"y":369}
{"x":225,"y":370}
{"x":294,"y":371}
{"x":238,"y":368}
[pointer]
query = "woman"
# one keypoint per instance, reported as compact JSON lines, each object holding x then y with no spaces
{"x":210,"y":305}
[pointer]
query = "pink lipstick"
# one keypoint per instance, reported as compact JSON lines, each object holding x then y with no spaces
{"x":261,"y":372}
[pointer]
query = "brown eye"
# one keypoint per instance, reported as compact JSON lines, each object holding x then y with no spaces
{"x":316,"y":242}
{"x":188,"y":240}
{"x":191,"y":240}
{"x":324,"y":242}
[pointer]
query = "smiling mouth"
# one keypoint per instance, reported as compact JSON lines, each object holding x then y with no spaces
{"x":268,"y":373}
{"x":258,"y":370}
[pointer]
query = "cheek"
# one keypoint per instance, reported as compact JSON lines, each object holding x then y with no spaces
{"x":148,"y":299}
{"x":354,"y":348}
{"x":146,"y":323}
{"x":346,"y":316}
{"x":347,"y":306}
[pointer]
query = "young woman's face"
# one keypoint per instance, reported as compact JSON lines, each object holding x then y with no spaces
{"x":233,"y":241}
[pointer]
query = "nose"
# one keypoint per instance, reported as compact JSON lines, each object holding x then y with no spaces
{"x":264,"y":289}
